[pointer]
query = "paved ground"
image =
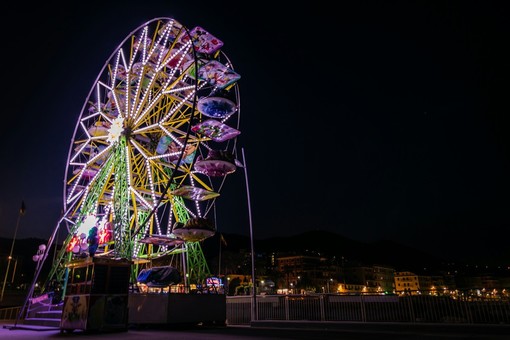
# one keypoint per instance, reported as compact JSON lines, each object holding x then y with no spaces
{"x":277,"y":331}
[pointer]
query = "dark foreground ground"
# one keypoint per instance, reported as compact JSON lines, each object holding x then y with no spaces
{"x":275,"y":330}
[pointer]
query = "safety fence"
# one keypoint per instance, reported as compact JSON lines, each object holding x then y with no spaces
{"x":34,"y":306}
{"x":358,"y":308}
{"x":9,"y":313}
{"x":368,"y":308}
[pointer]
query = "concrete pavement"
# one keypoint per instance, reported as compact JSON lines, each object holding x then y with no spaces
{"x":278,"y":331}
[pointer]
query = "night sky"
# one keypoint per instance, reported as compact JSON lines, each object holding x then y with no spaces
{"x":378,"y":120}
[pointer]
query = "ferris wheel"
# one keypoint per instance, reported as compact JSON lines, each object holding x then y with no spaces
{"x":152,"y":147}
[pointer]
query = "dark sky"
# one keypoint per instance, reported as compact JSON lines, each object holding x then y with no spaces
{"x":378,"y":120}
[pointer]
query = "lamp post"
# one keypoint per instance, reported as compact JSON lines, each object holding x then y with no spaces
{"x":14,"y":270}
{"x":38,"y":258}
{"x":21,"y":212}
{"x":254,"y":288}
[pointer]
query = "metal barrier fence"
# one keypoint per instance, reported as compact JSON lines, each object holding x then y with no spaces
{"x":368,"y":308}
{"x":35,"y":305}
{"x":359,"y":308}
{"x":9,"y":313}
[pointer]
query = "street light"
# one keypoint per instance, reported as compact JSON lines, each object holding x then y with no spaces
{"x":21,"y":213}
{"x":327,"y":284}
{"x":39,"y":258}
{"x":14,"y":270}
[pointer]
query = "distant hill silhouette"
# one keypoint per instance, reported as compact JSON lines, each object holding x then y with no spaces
{"x":329,"y":244}
{"x":326,"y":243}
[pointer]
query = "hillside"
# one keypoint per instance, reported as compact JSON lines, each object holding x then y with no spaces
{"x":330,"y":244}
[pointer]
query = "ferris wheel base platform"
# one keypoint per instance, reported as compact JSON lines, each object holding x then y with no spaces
{"x":146,"y":309}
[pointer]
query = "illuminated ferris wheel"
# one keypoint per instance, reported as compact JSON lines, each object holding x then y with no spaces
{"x":152,"y":147}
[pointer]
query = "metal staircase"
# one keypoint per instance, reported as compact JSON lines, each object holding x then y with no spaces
{"x":42,"y":314}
